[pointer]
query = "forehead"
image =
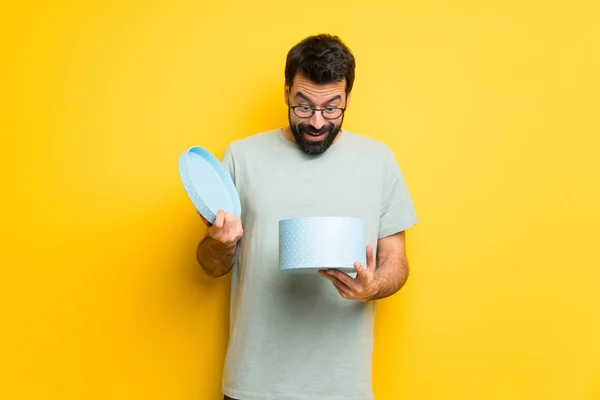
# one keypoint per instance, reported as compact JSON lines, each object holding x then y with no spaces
{"x":316,"y":91}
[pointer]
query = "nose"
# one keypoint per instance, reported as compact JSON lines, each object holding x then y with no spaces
{"x":317,"y":121}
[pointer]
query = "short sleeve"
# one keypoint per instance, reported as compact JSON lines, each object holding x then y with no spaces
{"x":397,"y":208}
{"x":227,"y":163}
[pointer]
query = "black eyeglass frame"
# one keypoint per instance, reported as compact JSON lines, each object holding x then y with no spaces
{"x":314,"y":110}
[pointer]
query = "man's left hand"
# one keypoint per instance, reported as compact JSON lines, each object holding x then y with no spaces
{"x":363,"y":287}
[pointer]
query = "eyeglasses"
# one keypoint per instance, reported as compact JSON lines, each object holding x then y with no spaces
{"x":304,"y":111}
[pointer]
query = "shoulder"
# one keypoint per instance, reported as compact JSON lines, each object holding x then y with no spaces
{"x":369,"y":146}
{"x":239,"y":153}
{"x":254,"y":142}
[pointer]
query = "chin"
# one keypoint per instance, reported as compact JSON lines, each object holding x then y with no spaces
{"x":310,"y":145}
{"x":316,"y":147}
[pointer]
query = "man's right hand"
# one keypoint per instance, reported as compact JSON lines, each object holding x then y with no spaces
{"x":226,"y":229}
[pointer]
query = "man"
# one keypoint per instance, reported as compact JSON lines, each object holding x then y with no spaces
{"x":307,"y":337}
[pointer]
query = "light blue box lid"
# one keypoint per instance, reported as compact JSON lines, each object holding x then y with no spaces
{"x":208,"y":185}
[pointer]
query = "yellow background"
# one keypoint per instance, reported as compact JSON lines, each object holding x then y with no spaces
{"x":491,"y":108}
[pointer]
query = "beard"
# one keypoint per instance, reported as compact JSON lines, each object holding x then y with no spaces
{"x":329,"y":132}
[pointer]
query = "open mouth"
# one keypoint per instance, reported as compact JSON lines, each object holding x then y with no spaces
{"x":314,"y":137}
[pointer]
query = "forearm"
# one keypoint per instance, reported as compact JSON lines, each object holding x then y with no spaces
{"x":215,"y":258}
{"x":391,"y":274}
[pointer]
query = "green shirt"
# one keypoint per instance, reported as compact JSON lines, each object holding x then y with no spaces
{"x":292,"y":336}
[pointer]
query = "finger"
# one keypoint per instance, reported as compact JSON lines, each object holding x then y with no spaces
{"x":341,"y":286}
{"x":370,"y":258}
{"x":239,"y":229}
{"x":231,"y":225}
{"x":360,"y":270}
{"x":345,"y":278}
{"x":340,"y":291}
{"x":227,"y":220}
{"x":220,"y":219}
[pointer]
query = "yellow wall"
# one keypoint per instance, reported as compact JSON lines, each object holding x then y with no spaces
{"x":491,"y":108}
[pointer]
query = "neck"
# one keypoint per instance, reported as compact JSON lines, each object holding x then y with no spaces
{"x":287,"y":133}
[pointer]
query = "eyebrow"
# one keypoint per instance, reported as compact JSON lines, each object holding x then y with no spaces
{"x":300,"y":94}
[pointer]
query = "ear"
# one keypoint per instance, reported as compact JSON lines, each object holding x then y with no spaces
{"x":286,"y":94}
{"x":348,"y":99}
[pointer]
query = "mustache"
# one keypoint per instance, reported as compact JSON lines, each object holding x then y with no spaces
{"x":311,"y":129}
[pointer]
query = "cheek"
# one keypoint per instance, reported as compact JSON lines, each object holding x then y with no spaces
{"x":298,"y":121}
{"x":334,"y":125}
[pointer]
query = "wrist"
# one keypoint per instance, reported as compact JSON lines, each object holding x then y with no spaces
{"x":374,"y":289}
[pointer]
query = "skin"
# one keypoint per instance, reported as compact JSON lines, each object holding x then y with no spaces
{"x":376,"y":281}
{"x":216,"y":252}
{"x":304,"y":91}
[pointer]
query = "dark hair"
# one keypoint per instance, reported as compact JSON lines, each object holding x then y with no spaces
{"x":322,"y":59}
